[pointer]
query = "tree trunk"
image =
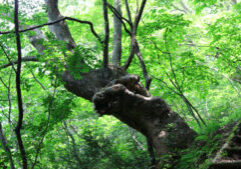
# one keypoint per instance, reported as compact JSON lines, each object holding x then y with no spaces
{"x":116,"y":93}
{"x":60,"y":29}
{"x":116,"y":54}
{"x":128,"y":100}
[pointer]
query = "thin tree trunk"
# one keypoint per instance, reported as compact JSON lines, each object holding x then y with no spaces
{"x":116,"y":54}
{"x":60,"y":29}
{"x":18,"y":89}
{"x":107,"y":31}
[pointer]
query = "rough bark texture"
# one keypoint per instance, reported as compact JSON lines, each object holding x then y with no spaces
{"x":116,"y":93}
{"x":128,"y":100}
{"x":116,"y":54}
{"x":91,"y":82}
{"x":60,"y":29}
{"x":36,"y":40}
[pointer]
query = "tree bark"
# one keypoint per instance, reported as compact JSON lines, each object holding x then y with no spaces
{"x":129,"y":101}
{"x":91,"y":82}
{"x":19,"y":92}
{"x":60,"y":29}
{"x":116,"y":54}
{"x":107,"y":35}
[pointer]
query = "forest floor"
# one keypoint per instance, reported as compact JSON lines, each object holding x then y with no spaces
{"x":219,"y":150}
{"x":228,"y":155}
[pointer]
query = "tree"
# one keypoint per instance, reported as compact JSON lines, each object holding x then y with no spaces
{"x":111,"y":89}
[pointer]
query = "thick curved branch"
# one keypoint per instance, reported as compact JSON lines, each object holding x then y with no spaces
{"x":136,"y":50}
{"x":149,"y":115}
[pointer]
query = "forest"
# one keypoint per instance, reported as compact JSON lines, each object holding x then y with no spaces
{"x":120,"y":84}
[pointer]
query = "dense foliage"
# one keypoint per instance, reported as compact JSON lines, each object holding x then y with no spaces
{"x":191,"y":49}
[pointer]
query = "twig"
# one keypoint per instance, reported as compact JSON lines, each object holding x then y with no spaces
{"x":37,"y":80}
{"x":166,"y":85}
{"x":170,"y":61}
{"x":9,"y":99}
{"x":179,"y":93}
{"x":115,"y":11}
{"x":181,"y":10}
{"x":139,"y":145}
{"x":118,"y":15}
{"x":9,"y":60}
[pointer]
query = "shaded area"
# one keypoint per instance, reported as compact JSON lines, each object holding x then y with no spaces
{"x":229,"y":156}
